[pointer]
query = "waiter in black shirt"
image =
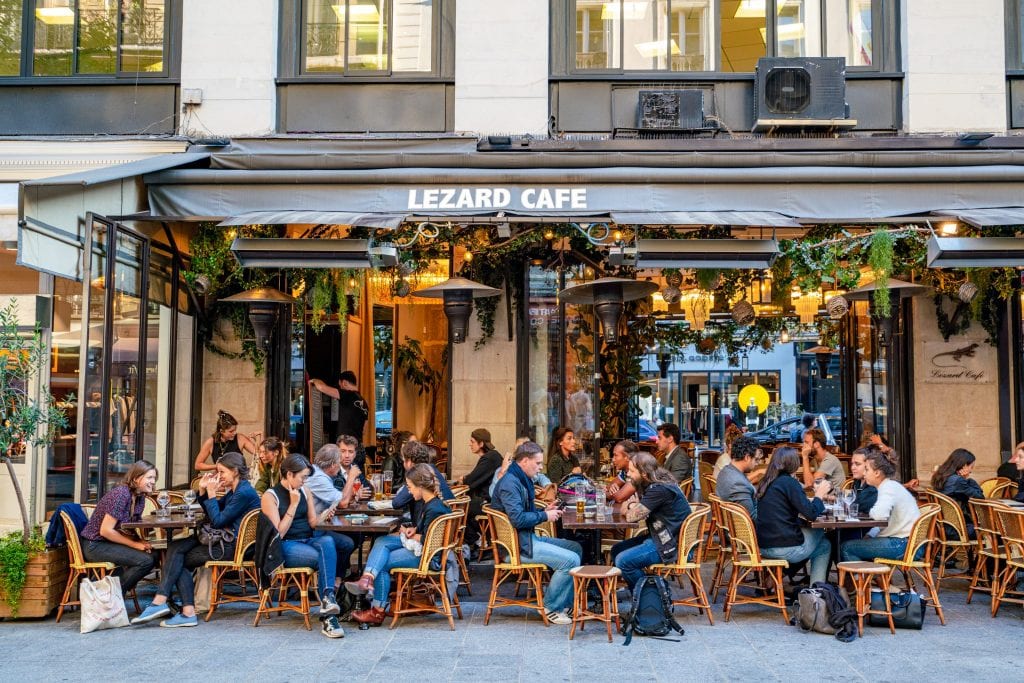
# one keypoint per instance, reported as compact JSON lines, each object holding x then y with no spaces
{"x":352,"y":409}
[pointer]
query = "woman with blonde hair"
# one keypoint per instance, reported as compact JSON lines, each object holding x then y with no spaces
{"x":271,"y":454}
{"x":393,"y":550}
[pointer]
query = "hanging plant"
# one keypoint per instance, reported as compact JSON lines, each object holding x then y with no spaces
{"x":880,"y":259}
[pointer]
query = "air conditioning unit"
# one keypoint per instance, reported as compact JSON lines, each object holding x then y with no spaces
{"x":660,"y":110}
{"x":801,"y":91}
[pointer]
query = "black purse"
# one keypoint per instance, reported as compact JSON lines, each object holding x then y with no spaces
{"x":907,"y":610}
{"x":212,"y":537}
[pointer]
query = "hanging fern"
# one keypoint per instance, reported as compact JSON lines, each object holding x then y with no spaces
{"x":880,"y":259}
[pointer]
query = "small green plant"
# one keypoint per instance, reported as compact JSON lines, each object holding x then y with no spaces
{"x":880,"y":259}
{"x":14,"y":556}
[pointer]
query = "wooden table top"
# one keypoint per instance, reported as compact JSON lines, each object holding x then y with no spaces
{"x":862,"y":522}
{"x":616,"y":521}
{"x":363,"y":508}
{"x":371,"y":526}
{"x":173,"y":521}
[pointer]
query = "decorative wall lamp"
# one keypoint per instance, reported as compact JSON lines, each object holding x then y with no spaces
{"x":607,"y":295}
{"x":458,"y":294}
{"x":264,"y":305}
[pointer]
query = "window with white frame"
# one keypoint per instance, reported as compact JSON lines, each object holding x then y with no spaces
{"x":717,"y":35}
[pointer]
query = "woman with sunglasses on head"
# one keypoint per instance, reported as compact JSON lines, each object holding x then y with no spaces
{"x":226,"y":512}
{"x":225,"y":439}
{"x":271,"y":454}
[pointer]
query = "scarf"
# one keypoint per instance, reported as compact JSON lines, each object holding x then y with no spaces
{"x":516,"y":471}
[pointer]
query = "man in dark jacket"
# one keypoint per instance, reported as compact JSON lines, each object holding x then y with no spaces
{"x":514,"y":496}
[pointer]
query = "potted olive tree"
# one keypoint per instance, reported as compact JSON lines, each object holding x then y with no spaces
{"x":30,"y":575}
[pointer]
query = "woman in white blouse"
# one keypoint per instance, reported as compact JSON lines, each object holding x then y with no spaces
{"x":895,"y":503}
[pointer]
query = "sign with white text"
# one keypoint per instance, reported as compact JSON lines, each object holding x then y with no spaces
{"x":488,"y":198}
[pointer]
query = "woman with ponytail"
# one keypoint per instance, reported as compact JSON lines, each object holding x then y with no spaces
{"x":894,"y":502}
{"x":272,"y":453}
{"x":232,"y":476}
{"x":225,"y":439}
{"x":389,"y":551}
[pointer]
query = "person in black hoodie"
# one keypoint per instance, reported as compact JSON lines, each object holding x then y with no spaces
{"x":479,"y":480}
{"x":664,"y":506}
{"x":782,"y":507}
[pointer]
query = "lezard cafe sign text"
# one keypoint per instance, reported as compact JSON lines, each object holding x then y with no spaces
{"x":485,"y":198}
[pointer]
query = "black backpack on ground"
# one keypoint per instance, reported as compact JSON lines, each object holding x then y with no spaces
{"x":650,"y":613}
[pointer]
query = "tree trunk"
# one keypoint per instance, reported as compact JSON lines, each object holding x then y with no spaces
{"x":17,"y":492}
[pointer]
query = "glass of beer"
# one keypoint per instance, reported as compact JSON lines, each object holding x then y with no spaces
{"x":581,"y":502}
{"x":389,"y":477}
{"x":378,"y":488}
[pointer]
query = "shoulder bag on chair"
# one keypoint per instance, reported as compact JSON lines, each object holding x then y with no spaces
{"x":102,"y":604}
{"x":907,"y":610}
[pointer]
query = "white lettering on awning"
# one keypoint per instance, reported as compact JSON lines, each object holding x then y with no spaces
{"x":484,"y":198}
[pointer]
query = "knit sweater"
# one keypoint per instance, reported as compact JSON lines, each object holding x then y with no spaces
{"x":896,"y":503}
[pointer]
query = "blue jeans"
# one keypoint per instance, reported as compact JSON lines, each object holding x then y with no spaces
{"x":182,"y":557}
{"x":386,"y":554}
{"x":633,"y":560}
{"x":316,"y":552}
{"x":815,"y":547}
{"x":867,"y":549}
{"x":132,"y":565}
{"x":343,"y":547}
{"x":559,"y":555}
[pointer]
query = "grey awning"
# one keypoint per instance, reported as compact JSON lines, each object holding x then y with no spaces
{"x":752,"y":218}
{"x":982,"y":218}
{"x":374,"y":220}
{"x":131,"y":169}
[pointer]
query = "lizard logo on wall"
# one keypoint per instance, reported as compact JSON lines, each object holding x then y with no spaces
{"x":960,"y":365}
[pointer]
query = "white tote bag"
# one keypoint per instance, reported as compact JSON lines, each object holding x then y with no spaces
{"x":204,"y":588}
{"x":102,"y":604}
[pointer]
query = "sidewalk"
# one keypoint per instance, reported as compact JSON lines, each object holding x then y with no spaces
{"x":754,"y":646}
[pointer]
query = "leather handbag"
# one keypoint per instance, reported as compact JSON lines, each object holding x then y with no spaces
{"x":907,"y":610}
{"x":212,"y":537}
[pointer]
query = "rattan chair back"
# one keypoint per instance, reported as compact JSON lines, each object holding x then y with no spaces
{"x":922,"y":534}
{"x":504,"y":534}
{"x":439,"y":538}
{"x":951,"y":517}
{"x":74,"y":542}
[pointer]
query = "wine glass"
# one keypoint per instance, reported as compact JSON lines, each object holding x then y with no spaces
{"x":356,"y":485}
{"x":190,"y":497}
{"x":163,"y":499}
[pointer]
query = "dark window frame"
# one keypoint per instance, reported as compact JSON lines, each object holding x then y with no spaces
{"x":885,"y":29}
{"x":291,"y":51}
{"x":172,"y":54}
{"x":1014,"y":26}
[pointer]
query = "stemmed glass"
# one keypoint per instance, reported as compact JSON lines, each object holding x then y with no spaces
{"x":163,"y":499}
{"x":849,"y":496}
{"x":190,"y":497}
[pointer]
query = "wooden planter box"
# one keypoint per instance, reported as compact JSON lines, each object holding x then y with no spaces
{"x":44,"y":586}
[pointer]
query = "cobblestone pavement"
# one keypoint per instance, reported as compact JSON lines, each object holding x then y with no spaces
{"x":755,"y":645}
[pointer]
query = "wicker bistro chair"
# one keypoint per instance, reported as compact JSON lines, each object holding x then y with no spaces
{"x":995,"y":487}
{"x":506,"y":540}
{"x":952,"y":534}
{"x":246,"y":569}
{"x":417,"y":588}
{"x":718,"y":580}
{"x":460,"y":490}
{"x":847,"y":485}
{"x":705,"y":469}
{"x":691,"y":536}
{"x":708,"y":487}
{"x":922,"y":535}
{"x":79,"y":568}
{"x":461,"y":507}
{"x":746,"y":558}
{"x":1011,"y":524}
{"x":301,"y":578}
{"x":990,"y":551}
{"x":687,"y":487}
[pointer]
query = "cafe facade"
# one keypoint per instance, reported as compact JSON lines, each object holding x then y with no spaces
{"x":148,"y":383}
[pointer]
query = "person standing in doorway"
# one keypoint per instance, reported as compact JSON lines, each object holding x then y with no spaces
{"x":352,"y":409}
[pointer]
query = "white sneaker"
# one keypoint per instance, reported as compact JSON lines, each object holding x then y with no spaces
{"x":560,"y":617}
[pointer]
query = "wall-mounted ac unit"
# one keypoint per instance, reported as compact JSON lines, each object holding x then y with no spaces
{"x":671,"y":110}
{"x":801,"y":91}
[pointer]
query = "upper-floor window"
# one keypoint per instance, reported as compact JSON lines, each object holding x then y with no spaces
{"x":368,"y":37}
{"x":83,"y":38}
{"x":719,"y":35}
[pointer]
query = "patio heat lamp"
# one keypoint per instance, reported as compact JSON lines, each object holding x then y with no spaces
{"x":458,"y":294}
{"x":264,"y":305}
{"x":608,"y":295}
{"x":888,"y":325}
{"x":823,"y":355}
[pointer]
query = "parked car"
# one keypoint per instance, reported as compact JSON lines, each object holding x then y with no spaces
{"x":647,"y":431}
{"x":781,"y":432}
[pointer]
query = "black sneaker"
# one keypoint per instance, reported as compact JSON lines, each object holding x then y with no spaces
{"x":328,"y":606}
{"x":331,"y":628}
